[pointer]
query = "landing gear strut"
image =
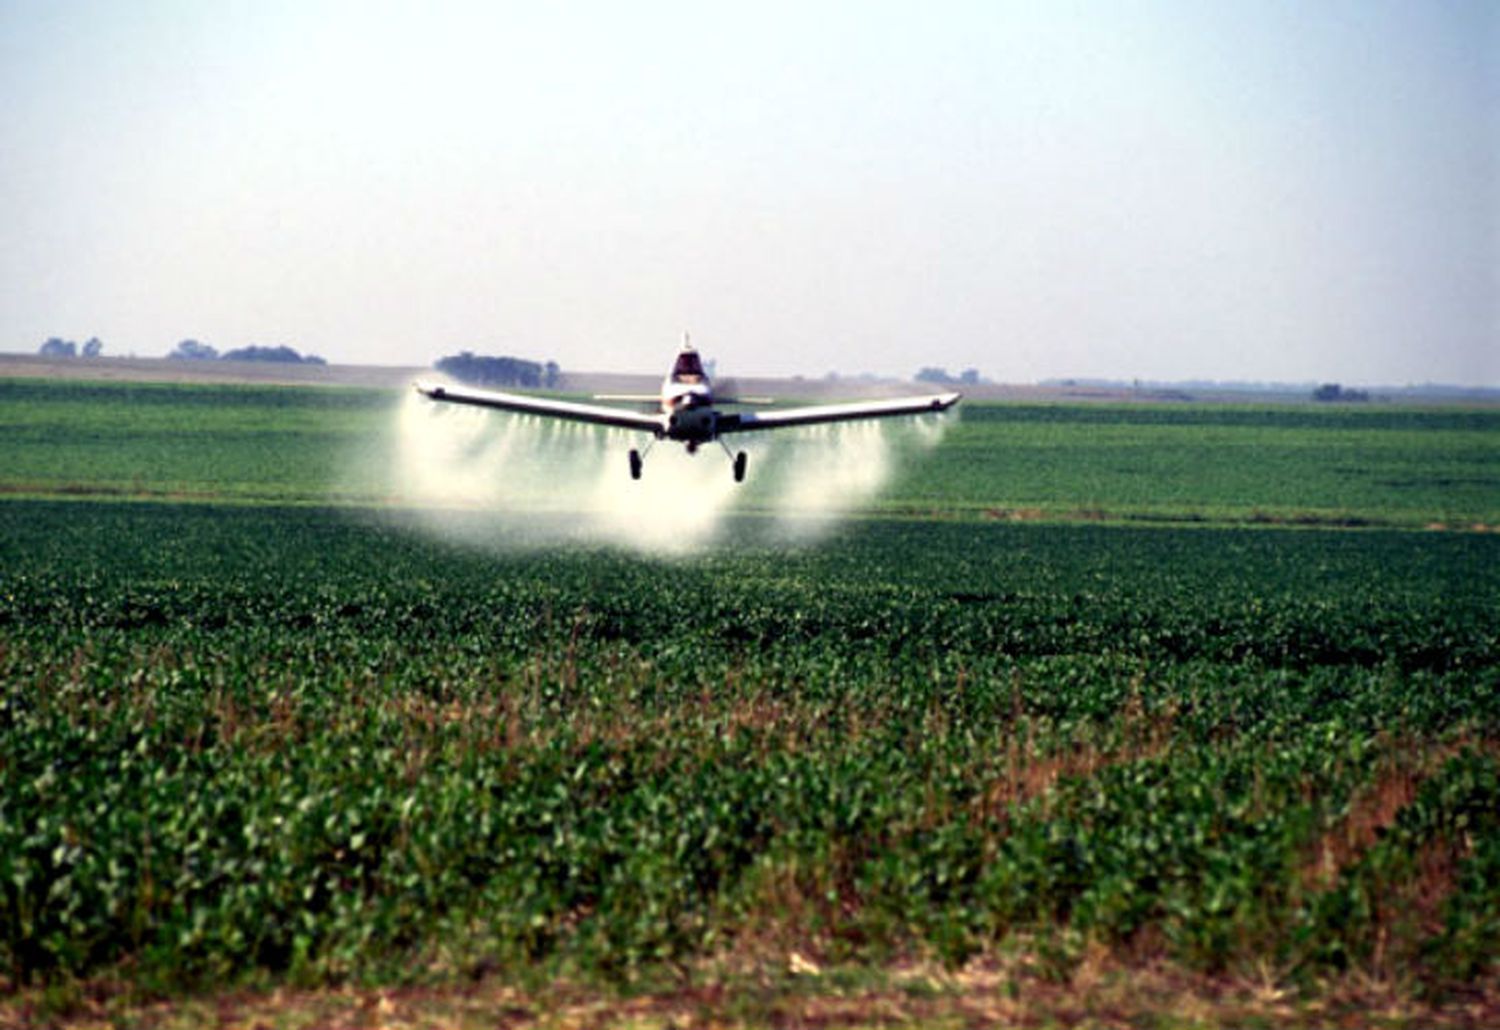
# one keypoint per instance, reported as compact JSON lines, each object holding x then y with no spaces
{"x":635,"y":464}
{"x":740,"y":460}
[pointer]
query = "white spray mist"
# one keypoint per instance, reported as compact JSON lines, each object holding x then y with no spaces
{"x":558,"y":482}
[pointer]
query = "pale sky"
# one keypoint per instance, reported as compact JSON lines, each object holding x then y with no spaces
{"x":1165,"y":190}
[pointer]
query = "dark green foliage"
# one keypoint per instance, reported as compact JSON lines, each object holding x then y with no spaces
{"x":280,"y":353}
{"x":487,"y":370}
{"x":56,"y":347}
{"x":1335,"y":392}
{"x":311,"y":743}
{"x":192,"y":350}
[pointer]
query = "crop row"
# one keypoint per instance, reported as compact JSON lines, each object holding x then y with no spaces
{"x":294,"y":743}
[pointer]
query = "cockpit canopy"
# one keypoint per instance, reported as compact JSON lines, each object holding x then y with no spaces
{"x":688,"y":369}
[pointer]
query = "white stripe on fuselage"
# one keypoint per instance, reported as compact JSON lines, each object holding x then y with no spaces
{"x":685,"y":395}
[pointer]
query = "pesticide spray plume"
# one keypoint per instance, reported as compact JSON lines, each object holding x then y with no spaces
{"x":495,"y":479}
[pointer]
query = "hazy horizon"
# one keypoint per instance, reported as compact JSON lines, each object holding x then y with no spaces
{"x":1259,"y":192}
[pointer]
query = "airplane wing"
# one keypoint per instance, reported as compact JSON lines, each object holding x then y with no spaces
{"x":746,"y":421}
{"x":597,"y":414}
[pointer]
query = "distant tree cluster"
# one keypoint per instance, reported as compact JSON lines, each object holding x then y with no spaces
{"x":968,"y":377}
{"x":1335,"y":392}
{"x":55,"y":347}
{"x":192,"y":350}
{"x":282,"y":354}
{"x":482,"y":370}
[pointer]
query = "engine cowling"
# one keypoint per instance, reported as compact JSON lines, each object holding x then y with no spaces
{"x":693,"y":425}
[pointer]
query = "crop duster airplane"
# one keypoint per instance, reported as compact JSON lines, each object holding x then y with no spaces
{"x":688,"y":411}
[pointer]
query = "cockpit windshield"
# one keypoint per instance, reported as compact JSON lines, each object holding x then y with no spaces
{"x":688,"y":368}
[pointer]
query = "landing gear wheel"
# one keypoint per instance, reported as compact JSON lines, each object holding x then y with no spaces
{"x":740,"y":460}
{"x":635,"y":464}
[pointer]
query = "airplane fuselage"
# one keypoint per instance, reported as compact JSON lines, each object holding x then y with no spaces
{"x":687,"y":403}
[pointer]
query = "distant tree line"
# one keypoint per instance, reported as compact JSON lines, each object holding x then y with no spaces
{"x":187,"y":350}
{"x":1335,"y":392}
{"x":483,"y":370}
{"x":282,"y":354}
{"x":192,"y":350}
{"x":968,"y":377}
{"x":56,"y":347}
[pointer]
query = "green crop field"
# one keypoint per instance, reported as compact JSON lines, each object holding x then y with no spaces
{"x":1144,"y":463}
{"x":259,"y":730}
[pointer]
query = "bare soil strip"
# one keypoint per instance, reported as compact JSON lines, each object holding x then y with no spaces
{"x":797,"y":992}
